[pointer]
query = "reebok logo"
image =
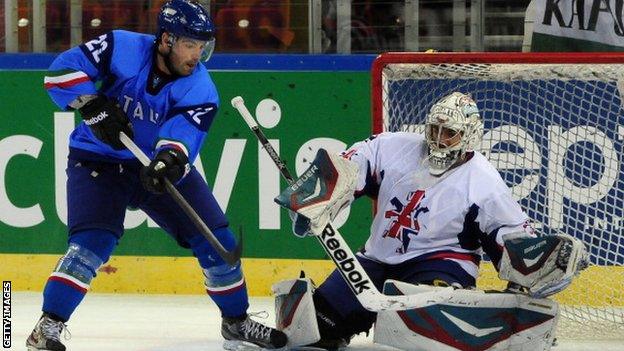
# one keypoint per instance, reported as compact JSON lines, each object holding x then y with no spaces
{"x":99,"y":118}
{"x":273,"y":154}
{"x":345,"y":264}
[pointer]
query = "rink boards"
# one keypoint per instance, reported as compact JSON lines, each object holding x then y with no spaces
{"x":181,"y":275}
{"x":301,"y":110}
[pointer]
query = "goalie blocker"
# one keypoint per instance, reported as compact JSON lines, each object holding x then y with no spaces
{"x":321,"y":192}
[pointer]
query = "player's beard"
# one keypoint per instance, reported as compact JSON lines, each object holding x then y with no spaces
{"x":178,"y":70}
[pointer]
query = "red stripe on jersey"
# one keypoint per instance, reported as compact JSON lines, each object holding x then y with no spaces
{"x":68,"y":282}
{"x":67,"y":84}
{"x":456,"y":255}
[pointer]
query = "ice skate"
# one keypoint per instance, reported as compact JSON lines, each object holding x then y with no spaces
{"x":46,"y":335}
{"x":246,"y":334}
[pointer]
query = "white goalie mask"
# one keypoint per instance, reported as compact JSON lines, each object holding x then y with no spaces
{"x":453,"y":127}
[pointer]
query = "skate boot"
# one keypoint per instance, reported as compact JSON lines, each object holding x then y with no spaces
{"x":46,"y":335}
{"x":242,"y":333}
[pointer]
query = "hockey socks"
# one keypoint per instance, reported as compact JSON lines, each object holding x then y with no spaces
{"x":224,"y":283}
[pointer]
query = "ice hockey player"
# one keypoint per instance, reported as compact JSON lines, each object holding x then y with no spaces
{"x":156,"y":90}
{"x":439,"y":205}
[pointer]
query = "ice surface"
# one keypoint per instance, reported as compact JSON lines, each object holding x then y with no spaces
{"x":116,"y":322}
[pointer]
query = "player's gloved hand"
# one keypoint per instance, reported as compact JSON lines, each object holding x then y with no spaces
{"x":300,"y":224}
{"x":169,"y":163}
{"x":106,"y":119}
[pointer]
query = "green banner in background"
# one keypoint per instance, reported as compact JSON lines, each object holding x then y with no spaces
{"x":299,"y":112}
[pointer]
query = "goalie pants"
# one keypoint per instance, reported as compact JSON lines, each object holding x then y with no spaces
{"x":98,"y":194}
{"x":335,"y":301}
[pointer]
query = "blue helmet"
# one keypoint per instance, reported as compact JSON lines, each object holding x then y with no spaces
{"x":186,"y":18}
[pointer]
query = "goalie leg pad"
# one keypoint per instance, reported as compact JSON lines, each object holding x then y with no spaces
{"x":474,"y":320}
{"x":338,"y":312}
{"x":322,"y":191}
{"x":294,"y":311}
{"x":309,"y":320}
{"x":336,"y":328}
{"x":545,"y":265}
{"x":337,"y":306}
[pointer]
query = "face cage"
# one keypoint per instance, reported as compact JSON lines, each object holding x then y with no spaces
{"x":442,"y":158}
{"x":441,"y":162}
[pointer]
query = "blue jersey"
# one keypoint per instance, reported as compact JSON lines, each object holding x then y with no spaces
{"x":163,"y":112}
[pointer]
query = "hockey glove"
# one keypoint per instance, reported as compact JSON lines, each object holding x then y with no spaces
{"x":544,"y":265}
{"x":321,"y":192}
{"x":169,"y":163}
{"x":106,"y":119}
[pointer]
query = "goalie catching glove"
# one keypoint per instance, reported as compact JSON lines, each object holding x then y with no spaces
{"x":544,"y":265}
{"x":321,"y":192}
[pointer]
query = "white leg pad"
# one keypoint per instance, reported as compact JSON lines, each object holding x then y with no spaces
{"x":474,"y":320}
{"x":295,"y":312}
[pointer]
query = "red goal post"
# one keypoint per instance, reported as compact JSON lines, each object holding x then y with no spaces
{"x":554,"y":128}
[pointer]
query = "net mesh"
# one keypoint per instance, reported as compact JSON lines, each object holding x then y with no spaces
{"x":555,"y":132}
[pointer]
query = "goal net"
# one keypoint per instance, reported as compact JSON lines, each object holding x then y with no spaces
{"x":554,"y":128}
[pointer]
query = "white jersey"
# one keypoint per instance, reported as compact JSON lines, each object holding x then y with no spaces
{"x":418,"y":215}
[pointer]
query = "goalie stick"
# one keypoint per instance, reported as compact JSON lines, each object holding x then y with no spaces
{"x":337,"y":249}
{"x":231,"y":257}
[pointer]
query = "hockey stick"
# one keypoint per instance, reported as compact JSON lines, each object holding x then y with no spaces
{"x":337,"y":249}
{"x":231,"y":257}
{"x":239,"y":104}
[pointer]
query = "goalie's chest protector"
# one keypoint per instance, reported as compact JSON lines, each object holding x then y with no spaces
{"x":419,"y":215}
